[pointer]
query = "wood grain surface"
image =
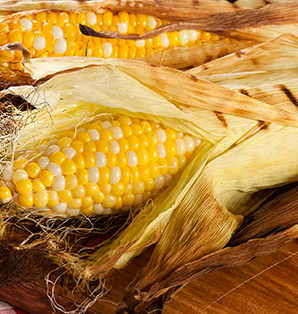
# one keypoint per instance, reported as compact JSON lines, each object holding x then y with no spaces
{"x":265,"y":285}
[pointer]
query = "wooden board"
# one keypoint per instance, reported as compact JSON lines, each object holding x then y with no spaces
{"x":265,"y":285}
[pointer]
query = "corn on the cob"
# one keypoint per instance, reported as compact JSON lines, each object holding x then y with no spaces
{"x":57,"y":34}
{"x":99,"y":169}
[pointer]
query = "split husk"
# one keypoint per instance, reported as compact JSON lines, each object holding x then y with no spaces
{"x":236,"y":169}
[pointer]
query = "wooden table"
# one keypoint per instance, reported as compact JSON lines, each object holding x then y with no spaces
{"x":265,"y":285}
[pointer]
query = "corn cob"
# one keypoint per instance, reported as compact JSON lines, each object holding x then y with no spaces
{"x":100,"y":169}
{"x":57,"y":34}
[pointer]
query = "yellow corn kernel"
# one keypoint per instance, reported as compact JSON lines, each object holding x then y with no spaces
{"x":128,"y":199}
{"x":135,"y":173}
{"x":15,"y":35}
{"x":173,"y":39}
{"x":144,"y":172}
{"x":109,"y":201}
{"x":121,"y":160}
{"x":64,"y":142}
{"x":104,"y":176}
{"x":106,"y":134}
{"x":111,"y":159}
{"x":98,"y":51}
{"x":125,"y":175}
{"x":37,"y":185}
{"x":98,"y":198}
{"x":90,"y":147}
{"x":26,"y":200}
{"x":28,"y":38}
{"x":170,"y":148}
{"x":36,"y":25}
{"x":82,"y":176}
{"x":41,"y":16}
{"x":119,"y":203}
{"x":75,"y":203}
{"x":132,"y":53}
{"x":64,"y":195}
{"x":89,"y":159}
{"x":118,"y":189}
{"x":143,"y":156}
{"x":41,"y":199}
{"x":149,"y":184}
{"x":206,"y":35}
{"x":107,"y":18}
{"x":5,"y":193}
{"x":19,"y":163}
{"x":91,"y":189}
{"x":24,"y":186}
{"x":3,"y":39}
{"x":79,"y":161}
{"x":63,"y":18}
{"x":69,"y":166}
{"x":46,"y":178}
{"x":78,"y":192}
{"x":52,"y":17}
{"x":163,"y":166}
{"x":87,"y":201}
{"x":123,"y":17}
{"x":58,"y":158}
{"x":141,"y":52}
{"x":71,"y":181}
{"x":53,"y":199}
{"x":86,"y":210}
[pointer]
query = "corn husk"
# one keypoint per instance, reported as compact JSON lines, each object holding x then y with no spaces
{"x":261,"y":80}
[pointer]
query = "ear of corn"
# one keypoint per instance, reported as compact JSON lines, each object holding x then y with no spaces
{"x":99,"y":169}
{"x":48,"y":33}
{"x":226,"y":139}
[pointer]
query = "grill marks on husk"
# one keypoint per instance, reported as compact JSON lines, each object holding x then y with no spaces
{"x":261,"y":126}
{"x":289,"y":94}
{"x":221,"y":118}
{"x":244,"y":92}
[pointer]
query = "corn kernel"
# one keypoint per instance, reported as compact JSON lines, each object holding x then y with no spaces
{"x":53,"y":199}
{"x":37,"y":185}
{"x":98,"y":198}
{"x":5,"y":193}
{"x":78,"y":192}
{"x":69,"y":166}
{"x":40,"y":199}
{"x":26,"y":200}
{"x":24,"y":186}
{"x":79,"y":161}
{"x":91,"y":189}
{"x":46,"y":178}
{"x":104,"y":176}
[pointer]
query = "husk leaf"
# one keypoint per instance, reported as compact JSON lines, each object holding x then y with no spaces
{"x":237,"y":181}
